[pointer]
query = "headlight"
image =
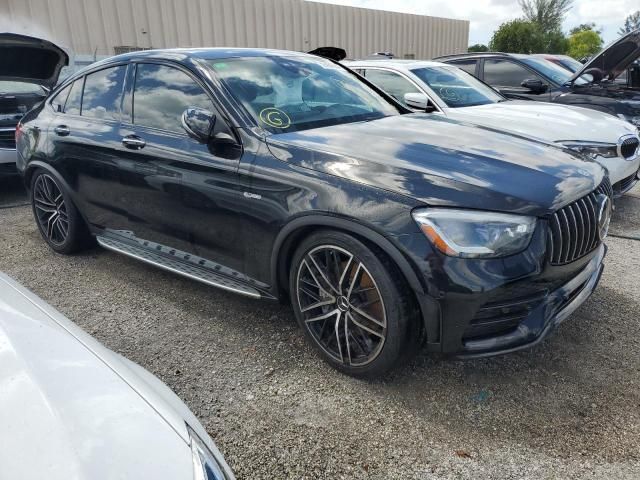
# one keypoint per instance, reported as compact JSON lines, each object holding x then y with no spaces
{"x":475,"y":234}
{"x":205,"y":465}
{"x":594,"y":150}
{"x":632,"y":120}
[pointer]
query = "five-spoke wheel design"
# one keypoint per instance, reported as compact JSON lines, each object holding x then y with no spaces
{"x":51,"y":209}
{"x":341,"y":305}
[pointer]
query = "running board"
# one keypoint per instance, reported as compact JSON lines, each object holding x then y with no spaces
{"x":177,"y":266}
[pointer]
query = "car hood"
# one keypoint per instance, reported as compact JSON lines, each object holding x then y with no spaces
{"x":72,"y":409}
{"x":30,"y":59}
{"x":444,"y":162}
{"x":616,"y":57}
{"x":547,"y":121}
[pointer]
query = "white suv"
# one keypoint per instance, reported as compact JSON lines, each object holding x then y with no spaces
{"x":442,"y":89}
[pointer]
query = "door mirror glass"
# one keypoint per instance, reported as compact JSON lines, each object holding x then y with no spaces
{"x":419,"y":101}
{"x":534,"y":85}
{"x":198,"y":123}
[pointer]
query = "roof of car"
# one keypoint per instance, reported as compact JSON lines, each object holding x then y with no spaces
{"x":403,"y":64}
{"x":551,"y":55}
{"x":182,"y":54}
{"x":480,"y":54}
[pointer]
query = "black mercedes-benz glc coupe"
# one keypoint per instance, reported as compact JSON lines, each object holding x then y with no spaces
{"x":281,"y":175}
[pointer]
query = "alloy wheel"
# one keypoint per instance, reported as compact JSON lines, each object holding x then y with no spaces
{"x":51,"y":209}
{"x":341,"y":305}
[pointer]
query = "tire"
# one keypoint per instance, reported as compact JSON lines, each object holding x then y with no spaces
{"x":353,"y":304}
{"x":58,"y":219}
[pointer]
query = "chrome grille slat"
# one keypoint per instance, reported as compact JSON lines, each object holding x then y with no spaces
{"x":594,"y":220}
{"x":564,"y":225}
{"x":581,"y":228}
{"x":588,"y":225}
{"x":573,"y":228}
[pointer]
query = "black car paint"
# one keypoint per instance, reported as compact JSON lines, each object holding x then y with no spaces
{"x":611,"y":98}
{"x":247,"y":208}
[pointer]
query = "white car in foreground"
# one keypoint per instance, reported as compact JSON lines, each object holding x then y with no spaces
{"x":444,"y":89}
{"x":70,"y":409}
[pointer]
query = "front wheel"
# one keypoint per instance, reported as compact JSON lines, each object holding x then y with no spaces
{"x":352,"y":304}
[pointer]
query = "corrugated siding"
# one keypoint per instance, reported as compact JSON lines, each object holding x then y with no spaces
{"x":97,"y":26}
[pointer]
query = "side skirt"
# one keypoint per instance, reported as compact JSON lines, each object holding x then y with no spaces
{"x":179,"y":262}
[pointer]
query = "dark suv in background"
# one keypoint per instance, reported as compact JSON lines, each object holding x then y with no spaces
{"x":280,"y":175}
{"x":535,"y":78}
{"x":29,"y":68}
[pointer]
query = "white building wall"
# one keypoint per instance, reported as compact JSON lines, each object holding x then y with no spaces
{"x":95,"y":27}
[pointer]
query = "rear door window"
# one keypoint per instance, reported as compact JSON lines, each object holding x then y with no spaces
{"x":74,"y":101}
{"x":162,"y":94}
{"x":505,"y":73}
{"x":103,"y":93}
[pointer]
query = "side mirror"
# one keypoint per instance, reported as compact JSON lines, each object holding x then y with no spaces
{"x":534,"y":85}
{"x":419,"y":101}
{"x":198,"y":123}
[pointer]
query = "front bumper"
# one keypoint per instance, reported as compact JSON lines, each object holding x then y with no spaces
{"x":620,"y":170}
{"x":623,"y":186}
{"x":480,"y":308}
{"x":553,"y":309}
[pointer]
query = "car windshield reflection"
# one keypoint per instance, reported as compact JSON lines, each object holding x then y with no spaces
{"x":285,"y":94}
{"x":456,"y":88}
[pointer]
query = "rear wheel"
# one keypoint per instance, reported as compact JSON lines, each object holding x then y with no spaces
{"x":58,"y":219}
{"x":352,"y":304}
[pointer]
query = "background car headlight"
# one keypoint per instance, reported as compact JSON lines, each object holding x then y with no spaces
{"x":475,"y":234}
{"x":633,"y":120}
{"x":205,"y":465}
{"x":595,"y":150}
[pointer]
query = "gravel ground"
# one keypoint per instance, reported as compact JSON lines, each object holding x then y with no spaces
{"x":569,"y":408}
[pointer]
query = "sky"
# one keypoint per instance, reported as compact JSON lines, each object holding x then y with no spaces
{"x":487,"y":15}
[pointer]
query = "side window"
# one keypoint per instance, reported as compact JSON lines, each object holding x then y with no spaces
{"x":468,"y":66}
{"x":162,"y":93}
{"x":392,"y":83}
{"x":60,"y":99}
{"x":103,"y":93}
{"x":505,"y":73}
{"x":72,"y":107}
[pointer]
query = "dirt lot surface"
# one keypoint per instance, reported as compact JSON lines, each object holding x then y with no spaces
{"x":569,"y":408}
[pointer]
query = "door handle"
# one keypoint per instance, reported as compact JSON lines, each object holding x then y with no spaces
{"x":133,"y":142}
{"x":62,"y":130}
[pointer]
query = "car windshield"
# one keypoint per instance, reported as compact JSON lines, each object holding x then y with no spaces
{"x":20,"y":87}
{"x":285,"y":94}
{"x":457,"y":88}
{"x":551,"y":70}
{"x":570,"y":63}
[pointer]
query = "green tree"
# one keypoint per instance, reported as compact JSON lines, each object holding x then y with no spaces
{"x":547,"y":14}
{"x":523,"y":36}
{"x":554,"y":42}
{"x":631,"y":23}
{"x":584,"y":44}
{"x":585,"y":26}
{"x":478,"y":47}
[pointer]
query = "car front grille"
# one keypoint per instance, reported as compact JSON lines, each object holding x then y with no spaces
{"x":629,"y":146}
{"x":8,"y":138}
{"x":574,"y":228}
